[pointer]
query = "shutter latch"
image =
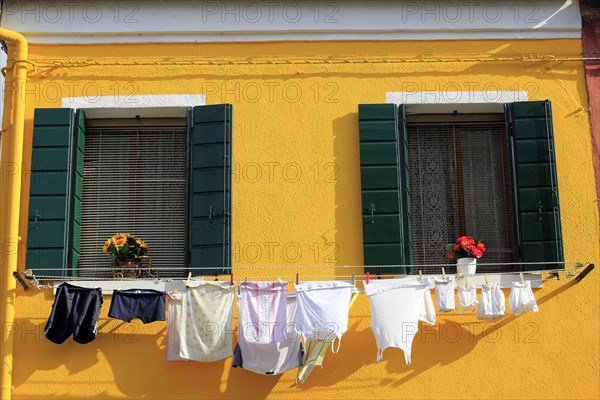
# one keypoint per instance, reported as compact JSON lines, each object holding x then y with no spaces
{"x":37,"y":216}
{"x":540,"y":210}
{"x":210,"y":215}
{"x":372,"y":212}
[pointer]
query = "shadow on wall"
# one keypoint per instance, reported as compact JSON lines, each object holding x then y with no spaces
{"x":448,"y":341}
{"x":347,"y":193}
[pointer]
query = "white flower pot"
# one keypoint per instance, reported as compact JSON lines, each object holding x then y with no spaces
{"x":466,"y":265}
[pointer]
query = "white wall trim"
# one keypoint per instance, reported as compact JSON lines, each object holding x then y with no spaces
{"x":130,"y":106}
{"x":146,"y":21}
{"x":430,"y":101}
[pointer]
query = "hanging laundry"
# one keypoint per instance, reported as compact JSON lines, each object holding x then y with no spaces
{"x":467,"y":298}
{"x":205,"y":327}
{"x":492,"y":302}
{"x":323,"y":309}
{"x":272,"y":358}
{"x":521,"y":298}
{"x":75,"y":311}
{"x":315,"y":351}
{"x":145,"y":304}
{"x":262,"y":311}
{"x":174,"y":325}
{"x":444,"y":293}
{"x":397,"y":306}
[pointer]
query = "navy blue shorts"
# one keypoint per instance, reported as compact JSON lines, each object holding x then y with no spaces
{"x":75,"y":311}
{"x":145,"y":304}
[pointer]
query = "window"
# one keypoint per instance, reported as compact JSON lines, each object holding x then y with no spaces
{"x":176,"y":191}
{"x":135,"y":180}
{"x":459,"y":183}
{"x":418,"y":191}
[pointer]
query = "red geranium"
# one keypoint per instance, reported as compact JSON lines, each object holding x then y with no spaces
{"x":465,"y":246}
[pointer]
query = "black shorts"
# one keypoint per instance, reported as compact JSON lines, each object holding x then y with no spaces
{"x":145,"y":304}
{"x":75,"y":311}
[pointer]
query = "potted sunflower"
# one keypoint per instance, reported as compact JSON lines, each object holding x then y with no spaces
{"x":126,"y":251}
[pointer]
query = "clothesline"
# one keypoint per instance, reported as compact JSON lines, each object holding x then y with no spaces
{"x":297,"y":267}
{"x":569,"y":271}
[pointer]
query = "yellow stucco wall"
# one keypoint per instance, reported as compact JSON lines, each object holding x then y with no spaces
{"x":296,"y":126}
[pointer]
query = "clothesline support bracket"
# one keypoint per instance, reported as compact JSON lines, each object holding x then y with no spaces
{"x":584,"y":273}
{"x":20,"y":280}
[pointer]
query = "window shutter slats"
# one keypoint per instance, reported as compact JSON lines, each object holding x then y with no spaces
{"x":537,"y":207}
{"x":384,"y":234}
{"x":53,"y":216}
{"x":136,"y":181}
{"x":210,"y":200}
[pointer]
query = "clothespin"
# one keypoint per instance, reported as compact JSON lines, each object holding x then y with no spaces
{"x":521,"y":276}
{"x":353,"y":280}
{"x":245,"y":279}
{"x":296,"y":278}
{"x":421,"y":276}
{"x":444,"y":273}
{"x":486,"y":280}
{"x":231,"y":279}
{"x":368,"y":277}
{"x":239,"y":289}
{"x":187,"y":283}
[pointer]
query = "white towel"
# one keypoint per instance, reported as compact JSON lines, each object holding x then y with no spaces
{"x":206,"y":333}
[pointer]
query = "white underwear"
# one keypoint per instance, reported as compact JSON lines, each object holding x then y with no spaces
{"x":521,"y":298}
{"x":492,"y":302}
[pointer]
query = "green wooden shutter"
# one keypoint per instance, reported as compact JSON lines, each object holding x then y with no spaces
{"x":537,"y":212}
{"x":54,"y":219}
{"x":384,"y":181}
{"x":404,"y":187}
{"x":210,"y":200}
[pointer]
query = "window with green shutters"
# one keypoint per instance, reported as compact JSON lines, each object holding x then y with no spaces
{"x":501,"y":174}
{"x":197,"y":162}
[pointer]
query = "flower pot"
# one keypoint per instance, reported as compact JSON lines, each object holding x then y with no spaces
{"x":126,"y":269}
{"x":466,"y":265}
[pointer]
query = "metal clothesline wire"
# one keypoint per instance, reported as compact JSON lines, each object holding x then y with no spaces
{"x":305,"y":277}
{"x":297,"y":267}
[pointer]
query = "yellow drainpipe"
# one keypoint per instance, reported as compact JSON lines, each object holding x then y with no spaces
{"x":13,"y":194}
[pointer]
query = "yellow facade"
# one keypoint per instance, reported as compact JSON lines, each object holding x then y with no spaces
{"x":297,"y":201}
